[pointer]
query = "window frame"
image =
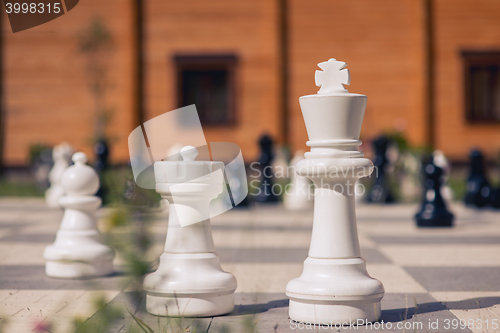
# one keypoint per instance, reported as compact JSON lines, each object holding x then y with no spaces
{"x":472,"y":59}
{"x":226,"y":62}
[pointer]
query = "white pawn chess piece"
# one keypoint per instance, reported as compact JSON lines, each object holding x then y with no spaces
{"x":61,"y":154}
{"x":334,"y":286}
{"x":189,"y":281}
{"x":298,"y":193}
{"x":79,"y":250}
{"x":441,"y":161}
{"x":410,"y":181}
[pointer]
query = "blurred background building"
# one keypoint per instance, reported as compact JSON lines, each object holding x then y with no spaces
{"x":430,"y":69}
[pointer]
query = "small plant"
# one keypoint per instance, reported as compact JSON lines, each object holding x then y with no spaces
{"x":96,"y":44}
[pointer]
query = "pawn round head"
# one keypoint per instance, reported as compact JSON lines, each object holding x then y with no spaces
{"x":80,"y":179}
{"x":189,"y":153}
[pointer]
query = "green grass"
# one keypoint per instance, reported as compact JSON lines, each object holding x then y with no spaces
{"x":457,"y":184}
{"x":19,"y":189}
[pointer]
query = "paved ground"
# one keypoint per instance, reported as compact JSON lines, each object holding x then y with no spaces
{"x":432,"y":278}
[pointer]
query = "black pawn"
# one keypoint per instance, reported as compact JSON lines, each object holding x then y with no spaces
{"x":265,"y":160}
{"x":433,"y":212}
{"x":495,"y":198}
{"x":101,"y":150}
{"x":478,"y":190}
{"x":380,"y":191}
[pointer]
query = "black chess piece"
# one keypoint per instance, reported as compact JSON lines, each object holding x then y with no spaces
{"x":101,"y":150}
{"x":380,"y":191}
{"x":495,"y":195}
{"x":433,"y":212}
{"x":41,"y":162}
{"x":265,"y":160}
{"x":478,"y":190}
{"x":495,"y":198}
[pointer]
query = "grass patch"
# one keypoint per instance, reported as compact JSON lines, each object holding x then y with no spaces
{"x":19,"y":189}
{"x":458,"y":186}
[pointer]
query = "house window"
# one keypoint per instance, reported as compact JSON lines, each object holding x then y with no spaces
{"x":209,"y":83}
{"x":482,"y":86}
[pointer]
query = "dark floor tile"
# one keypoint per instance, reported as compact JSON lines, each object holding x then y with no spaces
{"x":457,"y":278}
{"x":437,"y":240}
{"x":33,"y":277}
{"x":31,"y":238}
{"x":284,"y":255}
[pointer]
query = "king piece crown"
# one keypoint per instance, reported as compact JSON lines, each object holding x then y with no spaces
{"x":332,"y":78}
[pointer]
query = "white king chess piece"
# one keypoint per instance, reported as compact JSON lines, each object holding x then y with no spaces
{"x":79,"y":250}
{"x":189,"y":281}
{"x":61,"y":154}
{"x":334,"y":286}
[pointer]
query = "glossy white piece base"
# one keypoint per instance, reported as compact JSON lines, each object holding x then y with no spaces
{"x":79,"y":250}
{"x":75,"y":270}
{"x":334,"y":291}
{"x":78,"y":254}
{"x":189,"y":285}
{"x":330,"y":313}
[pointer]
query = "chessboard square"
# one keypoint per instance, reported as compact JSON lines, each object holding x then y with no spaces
{"x":46,"y":227}
{"x":395,"y":279}
{"x":260,"y":238}
{"x":27,"y":308}
{"x":263,"y":277}
{"x":457,"y":278}
{"x":283,"y":255}
{"x":495,"y":309}
{"x":273,"y":277}
{"x":265,"y":310}
{"x":4,"y":232}
{"x":449,"y":255}
{"x":264,"y":218}
{"x":262,"y":255}
{"x":438,"y":239}
{"x":31,"y":238}
{"x":20,"y":253}
{"x":377,"y":227}
{"x":466,"y":300}
{"x":478,"y":309}
{"x":413,"y":312}
{"x":33,"y":277}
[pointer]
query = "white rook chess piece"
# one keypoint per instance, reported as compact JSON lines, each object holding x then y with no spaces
{"x":79,"y":250}
{"x":61,"y":154}
{"x":189,"y":281}
{"x":334,"y":286}
{"x":298,"y":194}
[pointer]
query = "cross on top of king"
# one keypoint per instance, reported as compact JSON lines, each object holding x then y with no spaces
{"x":332,"y":78}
